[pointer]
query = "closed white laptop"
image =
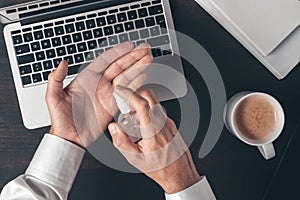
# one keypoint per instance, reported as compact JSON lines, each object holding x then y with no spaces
{"x":269,"y":29}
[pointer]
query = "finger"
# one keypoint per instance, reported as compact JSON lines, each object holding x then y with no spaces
{"x":138,"y":103}
{"x":125,"y":78}
{"x":150,"y":96}
{"x":126,"y":61}
{"x":121,"y":140}
{"x":138,"y":82}
{"x":56,"y":78}
{"x":108,"y":57}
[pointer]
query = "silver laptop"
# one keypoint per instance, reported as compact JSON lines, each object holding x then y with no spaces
{"x":269,"y":29}
{"x":39,"y":34}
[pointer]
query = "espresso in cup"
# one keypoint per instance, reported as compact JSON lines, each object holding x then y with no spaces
{"x":255,"y":117}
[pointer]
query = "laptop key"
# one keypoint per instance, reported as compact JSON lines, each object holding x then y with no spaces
{"x":139,"y":23}
{"x":122,"y":17}
{"x":92,"y":44}
{"x":25,"y":69}
{"x":71,"y":49}
{"x":38,"y":35}
{"x":69,"y":60}
{"x":119,"y":28}
{"x":59,"y":30}
{"x":35,"y":46}
{"x":87,"y":35}
{"x":80,"y":26}
{"x":25,"y":59}
{"x":36,"y":78}
{"x":154,"y":31}
{"x":129,"y":26}
{"x":158,"y":41}
{"x":22,"y":49}
{"x":89,"y":56}
{"x":113,"y":40}
{"x":37,"y":67}
{"x":56,"y":62}
{"x":103,"y":42}
{"x":144,"y":33}
{"x":40,"y":55}
{"x":78,"y":58}
{"x":167,"y":52}
{"x":98,"y":52}
{"x":98,"y":33}
{"x":26,"y":80}
{"x":81,"y":47}
{"x":28,"y":37}
{"x":17,"y":39}
{"x":160,"y":20}
{"x":66,"y":39}
{"x":73,"y":70}
{"x":108,"y":30}
{"x":47,"y":65}
{"x":46,"y":44}
{"x":61,"y":51}
{"x":140,"y":42}
{"x":46,"y":75}
{"x":155,"y":10}
{"x":156,"y":52}
{"x":132,"y":14}
{"x":123,"y":37}
{"x":50,"y":53}
{"x":101,"y":21}
{"x":70,"y":28}
{"x":150,"y":21}
{"x":134,"y":35}
{"x":156,"y":2}
{"x":56,"y":42}
{"x":90,"y":23}
{"x":49,"y":32}
{"x":143,"y":12}
{"x":77,"y":37}
{"x":111,"y":19}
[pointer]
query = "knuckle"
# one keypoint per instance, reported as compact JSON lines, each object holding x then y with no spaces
{"x":143,"y":105}
{"x":147,"y":93}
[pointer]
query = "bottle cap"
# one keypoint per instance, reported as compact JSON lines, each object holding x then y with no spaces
{"x":122,"y":104}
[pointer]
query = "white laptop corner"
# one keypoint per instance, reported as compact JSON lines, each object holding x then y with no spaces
{"x":281,"y":57}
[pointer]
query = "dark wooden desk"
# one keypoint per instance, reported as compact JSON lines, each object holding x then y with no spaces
{"x":235,"y":170}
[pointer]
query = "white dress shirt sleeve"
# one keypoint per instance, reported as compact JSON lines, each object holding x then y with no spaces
{"x":50,"y":174}
{"x":198,"y":191}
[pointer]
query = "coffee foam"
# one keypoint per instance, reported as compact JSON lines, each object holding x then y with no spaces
{"x":255,"y":117}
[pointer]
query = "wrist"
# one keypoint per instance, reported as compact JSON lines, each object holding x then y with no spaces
{"x":180,"y":184}
{"x":70,"y":137}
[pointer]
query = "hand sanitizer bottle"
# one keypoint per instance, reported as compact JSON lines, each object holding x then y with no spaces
{"x":128,"y":119}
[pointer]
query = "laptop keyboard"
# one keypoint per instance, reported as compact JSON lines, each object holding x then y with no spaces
{"x":81,"y":38}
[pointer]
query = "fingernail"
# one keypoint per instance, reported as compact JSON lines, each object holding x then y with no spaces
{"x":112,"y":129}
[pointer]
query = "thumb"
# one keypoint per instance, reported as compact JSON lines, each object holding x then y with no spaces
{"x":56,"y":78}
{"x":121,"y":140}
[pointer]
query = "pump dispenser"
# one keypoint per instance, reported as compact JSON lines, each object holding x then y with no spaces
{"x":128,"y":119}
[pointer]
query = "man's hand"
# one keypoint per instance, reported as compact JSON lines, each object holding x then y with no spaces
{"x":165,"y":152}
{"x":90,"y":93}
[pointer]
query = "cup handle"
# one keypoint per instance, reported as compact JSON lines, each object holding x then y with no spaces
{"x":267,"y":151}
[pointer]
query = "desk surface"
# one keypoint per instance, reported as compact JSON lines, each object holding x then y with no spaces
{"x":235,"y":170}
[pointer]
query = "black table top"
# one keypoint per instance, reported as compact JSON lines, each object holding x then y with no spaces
{"x":234,"y":169}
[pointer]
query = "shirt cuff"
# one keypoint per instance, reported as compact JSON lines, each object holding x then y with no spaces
{"x":56,"y":161}
{"x":198,"y":191}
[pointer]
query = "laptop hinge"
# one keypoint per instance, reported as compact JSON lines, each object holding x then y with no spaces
{"x":68,"y":10}
{"x":12,"y":13}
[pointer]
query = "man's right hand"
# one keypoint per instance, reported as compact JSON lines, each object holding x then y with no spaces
{"x":172,"y":175}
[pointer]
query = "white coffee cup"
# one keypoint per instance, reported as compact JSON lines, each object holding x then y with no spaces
{"x":264,"y":145}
